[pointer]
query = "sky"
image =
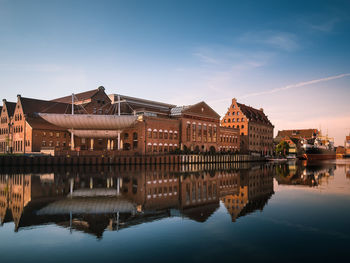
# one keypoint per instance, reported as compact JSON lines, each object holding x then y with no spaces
{"x":290,"y":58}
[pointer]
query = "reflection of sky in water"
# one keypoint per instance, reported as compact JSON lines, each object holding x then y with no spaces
{"x":298,"y":224}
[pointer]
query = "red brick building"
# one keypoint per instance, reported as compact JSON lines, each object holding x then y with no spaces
{"x":158,"y":127}
{"x":255,"y":128}
{"x":5,"y":126}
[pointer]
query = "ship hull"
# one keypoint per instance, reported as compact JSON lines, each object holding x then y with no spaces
{"x":315,"y":156}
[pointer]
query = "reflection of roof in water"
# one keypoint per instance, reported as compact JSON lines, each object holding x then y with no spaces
{"x":255,"y":204}
{"x":91,"y":205}
{"x":200,"y":213}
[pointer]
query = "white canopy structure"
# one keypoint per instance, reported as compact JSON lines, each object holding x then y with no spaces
{"x":90,"y":121}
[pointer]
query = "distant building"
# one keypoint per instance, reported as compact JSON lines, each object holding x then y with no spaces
{"x":298,"y":134}
{"x":255,"y":128}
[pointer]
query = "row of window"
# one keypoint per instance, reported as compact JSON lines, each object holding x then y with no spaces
{"x":18,"y":117}
{"x":4,"y":131}
{"x":233,"y":126}
{"x":198,"y":191}
{"x":260,"y":136}
{"x":229,"y":139}
{"x":18,"y":129}
{"x":51,"y":144}
{"x":4,"y":120}
{"x":252,"y":128}
{"x":160,"y":148}
{"x":233,"y":113}
{"x":234,"y":120}
{"x":51,"y":134}
{"x":162,"y":190}
{"x":155,"y":134}
{"x":201,"y":132}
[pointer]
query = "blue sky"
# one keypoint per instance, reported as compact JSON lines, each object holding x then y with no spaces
{"x":183,"y":52}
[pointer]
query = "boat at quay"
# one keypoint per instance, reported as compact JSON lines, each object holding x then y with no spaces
{"x":319,"y":148}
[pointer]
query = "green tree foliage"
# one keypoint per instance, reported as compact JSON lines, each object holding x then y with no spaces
{"x":282,"y":148}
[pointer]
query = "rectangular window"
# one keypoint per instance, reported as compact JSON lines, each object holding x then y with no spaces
{"x":194,"y":132}
{"x":165,"y":135}
{"x":160,"y":135}
{"x":175,"y":136}
{"x":155,"y":135}
{"x":199,"y":132}
{"x":188,"y":132}
{"x":57,"y":134}
{"x":170,"y":136}
{"x":214,"y":134}
{"x":210,"y":137}
{"x":149,"y":134}
{"x":205,"y":133}
{"x":149,"y":148}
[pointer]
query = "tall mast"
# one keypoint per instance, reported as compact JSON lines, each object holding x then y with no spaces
{"x":72,"y":133}
{"x":118,"y":115}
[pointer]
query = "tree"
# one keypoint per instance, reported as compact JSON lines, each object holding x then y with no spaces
{"x":282,"y":148}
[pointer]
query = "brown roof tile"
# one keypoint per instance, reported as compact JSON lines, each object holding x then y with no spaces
{"x":79,"y":96}
{"x":31,"y":106}
{"x":302,"y":133}
{"x":253,"y":114}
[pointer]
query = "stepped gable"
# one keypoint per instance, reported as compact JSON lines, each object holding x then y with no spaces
{"x":79,"y":96}
{"x":302,"y":133}
{"x":254,"y":114}
{"x":31,"y":106}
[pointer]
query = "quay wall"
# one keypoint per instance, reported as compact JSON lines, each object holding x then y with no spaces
{"x":23,"y":160}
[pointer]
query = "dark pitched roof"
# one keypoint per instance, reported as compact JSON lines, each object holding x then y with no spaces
{"x":79,"y":96}
{"x":253,"y":114}
{"x":302,"y":133}
{"x":40,"y":124}
{"x":10,"y":106}
{"x":31,"y":106}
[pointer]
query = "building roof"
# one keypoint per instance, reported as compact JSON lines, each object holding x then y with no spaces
{"x":40,"y":124}
{"x":79,"y":96}
{"x":253,"y":114}
{"x":177,"y":111}
{"x":302,"y":133}
{"x":30,"y":105}
{"x":10,"y":106}
{"x":200,"y":109}
{"x":137,"y":104}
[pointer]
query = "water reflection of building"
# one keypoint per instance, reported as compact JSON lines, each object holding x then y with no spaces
{"x":113,"y":200}
{"x":254,"y":190}
{"x":303,"y":174}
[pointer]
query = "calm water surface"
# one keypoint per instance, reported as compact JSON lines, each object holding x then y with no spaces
{"x":295,"y":212}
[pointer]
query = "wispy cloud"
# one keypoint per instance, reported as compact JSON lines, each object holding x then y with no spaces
{"x":288,"y":87}
{"x":297,"y":85}
{"x":326,"y":26}
{"x":280,"y":40}
{"x":207,"y":59}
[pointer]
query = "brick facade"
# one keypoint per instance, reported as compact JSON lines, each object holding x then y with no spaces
{"x":255,"y":128}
